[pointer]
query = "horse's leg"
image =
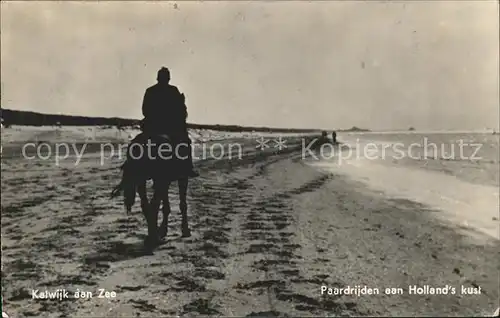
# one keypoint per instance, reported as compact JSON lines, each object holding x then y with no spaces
{"x":183,"y":184}
{"x":154,"y":207}
{"x":148,"y":213}
{"x":143,"y":194}
{"x":166,"y":212}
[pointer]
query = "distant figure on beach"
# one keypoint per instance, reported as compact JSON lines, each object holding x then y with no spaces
{"x":334,"y":137}
{"x":322,"y":140}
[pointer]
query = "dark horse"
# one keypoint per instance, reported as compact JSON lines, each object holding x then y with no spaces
{"x":154,"y":158}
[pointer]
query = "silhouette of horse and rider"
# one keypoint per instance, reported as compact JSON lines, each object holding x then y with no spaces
{"x":161,"y":153}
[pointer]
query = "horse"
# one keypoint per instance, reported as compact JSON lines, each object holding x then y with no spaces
{"x":162,"y":167}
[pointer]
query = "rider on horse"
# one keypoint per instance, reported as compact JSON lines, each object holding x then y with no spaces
{"x":165,"y":113}
{"x":165,"y":117}
{"x":164,"y":123}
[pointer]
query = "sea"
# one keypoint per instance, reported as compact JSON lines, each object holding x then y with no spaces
{"x":457,"y":173}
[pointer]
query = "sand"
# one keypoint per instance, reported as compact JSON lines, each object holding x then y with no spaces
{"x":269,"y":230}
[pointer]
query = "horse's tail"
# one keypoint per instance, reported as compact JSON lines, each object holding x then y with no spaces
{"x":119,"y":188}
{"x":127,"y":185}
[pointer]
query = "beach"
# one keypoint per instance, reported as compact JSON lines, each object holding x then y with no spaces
{"x":275,"y":232}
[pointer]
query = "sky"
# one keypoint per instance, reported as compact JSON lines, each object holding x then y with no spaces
{"x":296,"y":64}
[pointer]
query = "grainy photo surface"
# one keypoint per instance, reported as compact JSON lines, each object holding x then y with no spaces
{"x":250,"y":158}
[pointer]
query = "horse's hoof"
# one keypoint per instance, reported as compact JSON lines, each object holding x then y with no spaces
{"x":151,"y":242}
{"x":186,"y":233}
{"x":193,"y":174}
{"x":162,"y":234}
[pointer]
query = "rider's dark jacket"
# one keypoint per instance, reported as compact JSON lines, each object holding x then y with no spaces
{"x":165,"y":112}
